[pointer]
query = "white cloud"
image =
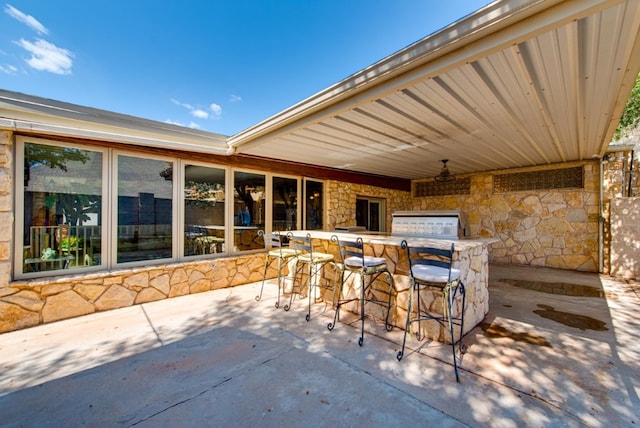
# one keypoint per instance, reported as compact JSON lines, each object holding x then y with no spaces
{"x":216,"y":109}
{"x":9,"y":69}
{"x":200,"y":114}
{"x":178,"y":103}
{"x":26,"y":19}
{"x":235,"y":98}
{"x":46,"y":56}
{"x":191,"y":125}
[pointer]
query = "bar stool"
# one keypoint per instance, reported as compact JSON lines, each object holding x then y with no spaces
{"x":431,"y":268}
{"x":355,"y":262}
{"x":275,"y":251}
{"x":314,"y":262}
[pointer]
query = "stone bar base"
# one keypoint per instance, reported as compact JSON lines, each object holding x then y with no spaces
{"x":471,"y":257}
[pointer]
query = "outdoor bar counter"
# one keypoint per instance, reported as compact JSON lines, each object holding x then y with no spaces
{"x":470,"y":256}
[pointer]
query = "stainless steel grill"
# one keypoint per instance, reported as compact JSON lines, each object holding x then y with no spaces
{"x":441,"y":224}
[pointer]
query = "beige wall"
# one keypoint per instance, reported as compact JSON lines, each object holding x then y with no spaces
{"x":625,"y":237}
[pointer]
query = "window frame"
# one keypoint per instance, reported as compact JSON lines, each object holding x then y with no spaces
{"x":271,"y":194}
{"x":19,"y":208}
{"x":183,"y":163}
{"x":323,"y":222}
{"x":176,"y":177}
{"x":109,"y":210}
{"x":382,"y":204}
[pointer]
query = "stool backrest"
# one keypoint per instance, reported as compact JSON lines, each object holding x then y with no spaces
{"x":301,"y":243}
{"x":271,"y":240}
{"x":350,"y":248}
{"x":429,"y":256}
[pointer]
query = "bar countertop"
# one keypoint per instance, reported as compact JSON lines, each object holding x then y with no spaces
{"x":389,"y":239}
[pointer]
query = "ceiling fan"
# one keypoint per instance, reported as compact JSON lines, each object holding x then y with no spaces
{"x":444,"y":175}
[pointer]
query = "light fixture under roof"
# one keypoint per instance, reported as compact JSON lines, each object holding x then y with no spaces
{"x":444,"y":175}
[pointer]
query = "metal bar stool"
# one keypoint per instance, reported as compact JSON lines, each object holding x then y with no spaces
{"x":313,"y":260}
{"x":432,"y":268}
{"x":355,"y":262}
{"x":273,"y":244}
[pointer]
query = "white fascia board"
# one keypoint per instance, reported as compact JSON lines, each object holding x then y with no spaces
{"x":19,"y":112}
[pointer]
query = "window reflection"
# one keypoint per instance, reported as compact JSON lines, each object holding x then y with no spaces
{"x":204,"y":210}
{"x":249,"y":210}
{"x":285,"y":203}
{"x":62,"y":208}
{"x":314,"y":204}
{"x":145,"y":209}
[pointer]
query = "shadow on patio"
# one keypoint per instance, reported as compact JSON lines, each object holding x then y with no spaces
{"x":540,"y":358}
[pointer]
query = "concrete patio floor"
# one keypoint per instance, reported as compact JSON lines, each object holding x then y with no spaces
{"x":220,"y":359}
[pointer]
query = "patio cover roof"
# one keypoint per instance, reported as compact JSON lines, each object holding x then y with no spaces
{"x":517,"y":83}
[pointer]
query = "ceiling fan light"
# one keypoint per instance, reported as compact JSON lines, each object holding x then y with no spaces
{"x":444,"y":175}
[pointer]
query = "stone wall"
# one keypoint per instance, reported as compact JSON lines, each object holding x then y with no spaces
{"x":625,"y":237}
{"x":6,"y":206}
{"x":28,"y":303}
{"x":552,"y":228}
{"x":342,"y":197}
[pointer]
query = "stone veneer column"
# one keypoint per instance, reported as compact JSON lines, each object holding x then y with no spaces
{"x":6,"y":208}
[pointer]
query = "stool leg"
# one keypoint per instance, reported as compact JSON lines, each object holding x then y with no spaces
{"x":279,"y":280}
{"x":450,"y":298}
{"x":264,"y":276}
{"x":310,"y":288}
{"x":387,"y":325}
{"x":293,"y":286}
{"x":336,"y":314}
{"x":362,"y":286}
{"x":407,"y":323}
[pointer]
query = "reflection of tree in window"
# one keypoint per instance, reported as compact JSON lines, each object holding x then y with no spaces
{"x":51,"y":156}
{"x":62,"y":206}
{"x":68,"y":200}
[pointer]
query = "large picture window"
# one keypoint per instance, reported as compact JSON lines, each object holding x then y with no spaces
{"x":314,"y":204}
{"x":86,"y":208}
{"x":249,"y":210}
{"x":285,"y":204}
{"x":62,"y":207}
{"x":145,"y":209}
{"x":204,"y":210}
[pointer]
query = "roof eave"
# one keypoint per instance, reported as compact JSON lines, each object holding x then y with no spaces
{"x":20,"y":112}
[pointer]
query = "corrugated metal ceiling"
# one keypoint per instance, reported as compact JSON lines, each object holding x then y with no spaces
{"x":518,"y":83}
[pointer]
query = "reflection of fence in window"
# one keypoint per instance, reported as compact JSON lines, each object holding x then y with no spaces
{"x":283,"y":225}
{"x":144,"y":242}
{"x":61,"y":247}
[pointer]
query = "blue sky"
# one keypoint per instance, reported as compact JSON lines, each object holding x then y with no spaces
{"x":219,"y":66}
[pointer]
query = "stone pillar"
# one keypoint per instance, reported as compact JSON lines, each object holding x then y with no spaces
{"x":6,"y":212}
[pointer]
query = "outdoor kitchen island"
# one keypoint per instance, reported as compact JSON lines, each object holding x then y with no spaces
{"x":470,"y":256}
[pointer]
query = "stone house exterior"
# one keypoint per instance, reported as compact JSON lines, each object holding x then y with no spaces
{"x":528,"y":135}
{"x":551,"y":228}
